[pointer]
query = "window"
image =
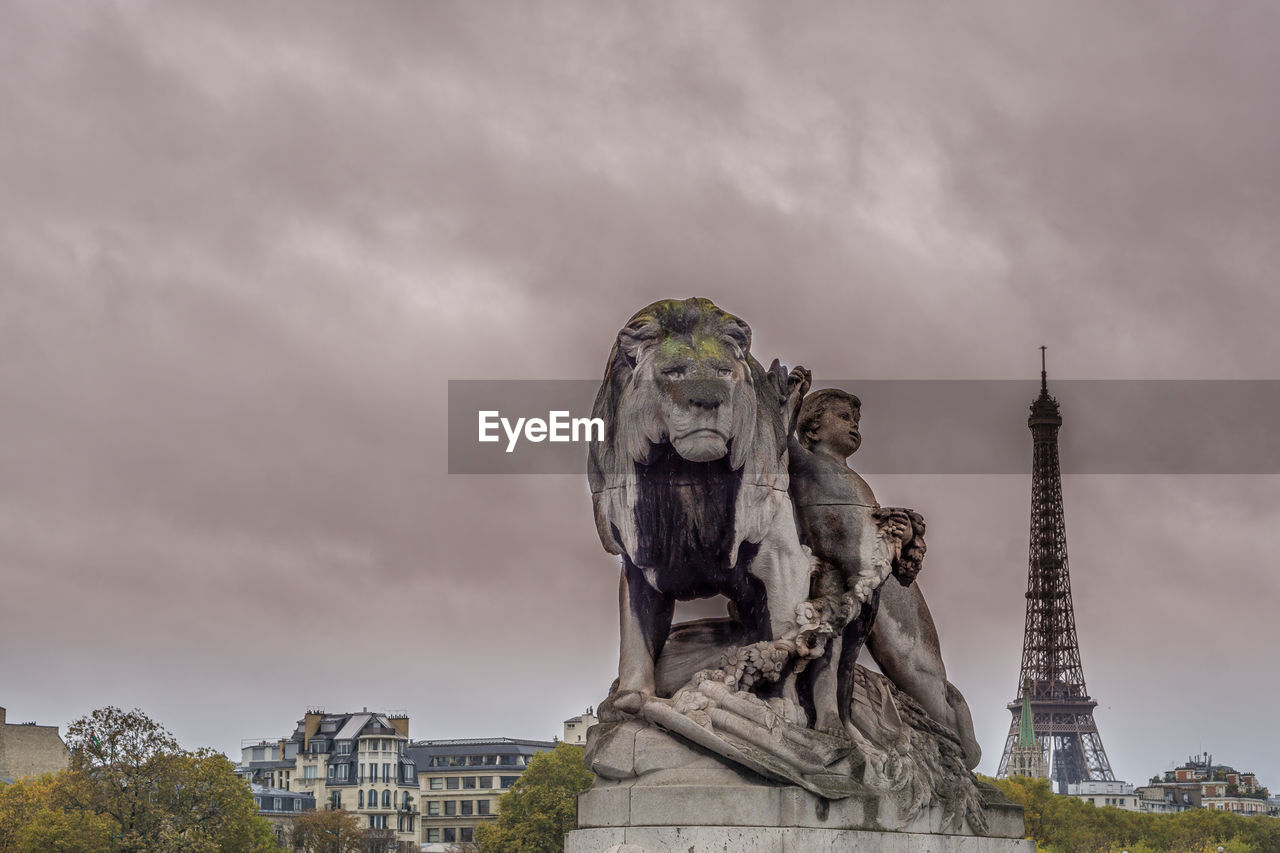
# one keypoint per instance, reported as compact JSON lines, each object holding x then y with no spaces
{"x":373,"y":799}
{"x":451,"y":783}
{"x":437,"y":783}
{"x":450,"y":835}
{"x":486,"y":781}
{"x":465,"y":807}
{"x":310,"y":771}
{"x":482,"y":806}
{"x":386,"y":773}
{"x":360,"y":799}
{"x":362,"y":771}
{"x":377,"y":821}
{"x":433,"y":836}
{"x":257,"y":803}
{"x":468,"y":781}
{"x":336,"y":799}
{"x":275,"y":804}
{"x":465,"y":835}
{"x":450,"y":808}
{"x":404,"y":800}
{"x":508,"y":781}
{"x":333,"y":769}
{"x":386,"y":798}
{"x":433,"y":808}
{"x":344,"y":747}
{"x":344,"y":771}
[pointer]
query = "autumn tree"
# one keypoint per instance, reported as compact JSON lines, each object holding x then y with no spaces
{"x":1065,"y":824}
{"x":159,"y":797}
{"x":36,"y":814}
{"x":535,"y":814}
{"x":327,"y":831}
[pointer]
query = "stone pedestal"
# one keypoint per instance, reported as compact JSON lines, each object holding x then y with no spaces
{"x":704,"y":806}
{"x":772,"y":839}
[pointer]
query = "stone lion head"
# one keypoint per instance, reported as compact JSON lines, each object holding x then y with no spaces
{"x":681,"y":378}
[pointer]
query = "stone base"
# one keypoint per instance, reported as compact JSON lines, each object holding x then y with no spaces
{"x":698,"y":795}
{"x":771,"y":839}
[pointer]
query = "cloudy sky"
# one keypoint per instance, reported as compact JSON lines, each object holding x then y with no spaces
{"x":244,"y":247}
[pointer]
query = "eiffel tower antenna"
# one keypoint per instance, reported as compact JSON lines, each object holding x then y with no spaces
{"x":1051,"y":675}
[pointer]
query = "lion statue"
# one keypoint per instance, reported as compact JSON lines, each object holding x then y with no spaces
{"x":689,"y":485}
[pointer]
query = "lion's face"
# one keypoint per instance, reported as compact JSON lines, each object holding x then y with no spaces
{"x":681,"y":373}
{"x":690,"y":377}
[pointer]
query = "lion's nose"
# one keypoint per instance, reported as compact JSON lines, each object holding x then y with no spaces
{"x":705,"y":393}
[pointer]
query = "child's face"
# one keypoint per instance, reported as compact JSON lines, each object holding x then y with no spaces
{"x":838,"y":428}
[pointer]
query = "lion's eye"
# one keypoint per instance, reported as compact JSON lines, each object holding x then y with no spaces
{"x":724,"y":372}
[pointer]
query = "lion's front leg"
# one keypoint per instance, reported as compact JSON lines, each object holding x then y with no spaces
{"x":645,"y":617}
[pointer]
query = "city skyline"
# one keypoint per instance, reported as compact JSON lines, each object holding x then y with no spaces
{"x":244,"y":248}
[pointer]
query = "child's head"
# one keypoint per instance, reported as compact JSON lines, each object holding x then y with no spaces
{"x":820,"y":408}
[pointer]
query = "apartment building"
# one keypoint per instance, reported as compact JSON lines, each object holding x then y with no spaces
{"x":280,"y":807}
{"x":459,"y":782}
{"x":352,"y":761}
{"x":28,"y":749}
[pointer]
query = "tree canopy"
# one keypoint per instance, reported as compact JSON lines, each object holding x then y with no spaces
{"x":130,"y":789}
{"x":327,"y":831}
{"x":535,"y":814}
{"x":1070,"y":825}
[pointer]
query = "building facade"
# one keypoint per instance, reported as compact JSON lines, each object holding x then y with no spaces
{"x":1200,"y":783}
{"x":575,"y":728}
{"x":27,"y":749}
{"x":460,"y":782}
{"x":280,"y":806}
{"x":357,"y":762}
{"x":1120,"y":795}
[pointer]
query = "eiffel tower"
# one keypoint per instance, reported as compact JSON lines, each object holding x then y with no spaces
{"x":1061,"y":709}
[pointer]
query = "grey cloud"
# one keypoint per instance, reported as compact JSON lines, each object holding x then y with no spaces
{"x":243,"y":247}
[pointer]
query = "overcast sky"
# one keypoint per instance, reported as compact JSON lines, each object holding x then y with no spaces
{"x":243,"y":247}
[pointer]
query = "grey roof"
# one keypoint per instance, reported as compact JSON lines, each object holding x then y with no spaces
{"x":343,"y":726}
{"x":264,"y":791}
{"x":352,"y":729}
{"x":477,"y":746}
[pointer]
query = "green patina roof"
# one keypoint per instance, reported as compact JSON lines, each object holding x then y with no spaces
{"x":1027,"y":730}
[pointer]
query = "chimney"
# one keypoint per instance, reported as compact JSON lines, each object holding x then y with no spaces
{"x":2,"y":716}
{"x":401,"y":722}
{"x":311,"y":725}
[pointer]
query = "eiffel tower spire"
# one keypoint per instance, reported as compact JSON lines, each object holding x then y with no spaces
{"x":1051,"y":676}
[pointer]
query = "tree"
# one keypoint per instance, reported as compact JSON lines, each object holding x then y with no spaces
{"x":1065,"y":824}
{"x":34,"y":815}
{"x":327,"y":831}
{"x":535,"y":814}
{"x":159,"y":797}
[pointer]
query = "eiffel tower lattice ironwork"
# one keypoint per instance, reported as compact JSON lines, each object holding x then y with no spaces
{"x":1061,"y":708}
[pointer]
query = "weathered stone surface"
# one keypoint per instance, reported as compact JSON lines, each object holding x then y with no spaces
{"x":700,"y":796}
{"x":711,"y":470}
{"x":611,"y":749}
{"x":657,"y":750}
{"x":760,"y":839}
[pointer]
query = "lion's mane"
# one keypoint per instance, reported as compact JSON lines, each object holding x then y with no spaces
{"x":628,"y":401}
